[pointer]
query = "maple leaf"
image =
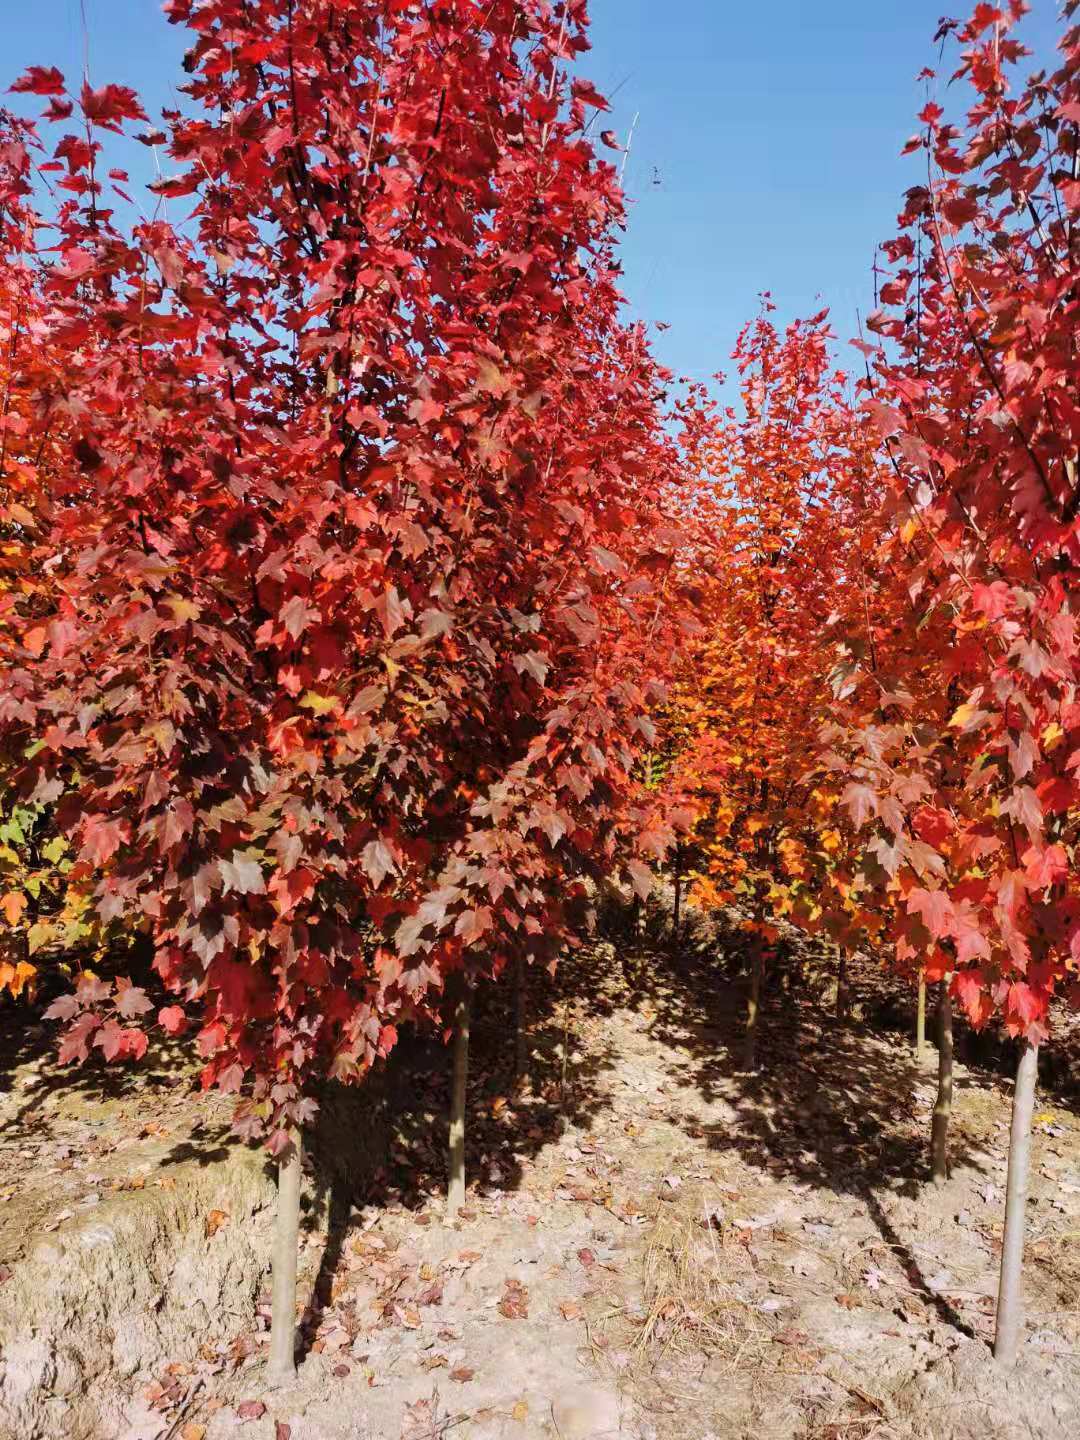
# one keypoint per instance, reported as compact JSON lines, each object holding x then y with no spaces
{"x":131,"y":1001}
{"x":172,"y":1019}
{"x":39,"y":80}
{"x":111,"y":105}
{"x":588,"y":94}
{"x":242,"y":874}
{"x":936,"y":910}
{"x":472,"y":925}
{"x":13,"y":904}
{"x":320,"y":704}
{"x":861,"y":802}
{"x":297,"y":615}
{"x":102,"y":838}
{"x":534,"y":664}
{"x":378,"y":861}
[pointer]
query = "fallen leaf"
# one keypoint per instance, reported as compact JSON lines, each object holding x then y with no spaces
{"x":251,"y":1410}
{"x":420,"y":1421}
{"x":521,"y":1410}
{"x":790,"y":1336}
{"x":462,"y":1374}
{"x":214,"y":1221}
{"x":514,"y":1304}
{"x":571,"y":1309}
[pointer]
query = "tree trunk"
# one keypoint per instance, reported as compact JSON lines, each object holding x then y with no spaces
{"x":521,"y":1020}
{"x":282,"y":1362}
{"x":753,"y":1008}
{"x":455,"y":1196}
{"x":843,"y":998}
{"x":920,"y":1019}
{"x":676,"y":909}
{"x":939,"y":1130}
{"x":1007,"y":1332}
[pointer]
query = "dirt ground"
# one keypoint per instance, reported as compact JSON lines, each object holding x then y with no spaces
{"x":656,"y":1246}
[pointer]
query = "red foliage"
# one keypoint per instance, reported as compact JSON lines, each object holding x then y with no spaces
{"x":963,"y":732}
{"x":352,"y":497}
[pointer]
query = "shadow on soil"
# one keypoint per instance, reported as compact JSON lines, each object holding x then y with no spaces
{"x":825,"y":1107}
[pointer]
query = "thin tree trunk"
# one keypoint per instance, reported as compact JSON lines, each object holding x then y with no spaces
{"x":675,"y":914}
{"x":753,"y":1008}
{"x":564,"y":1055}
{"x":939,"y":1130}
{"x":455,"y":1197}
{"x":282,"y":1363}
{"x":1007,"y":1332}
{"x":521,"y":1019}
{"x":920,"y":1019}
{"x":843,"y":998}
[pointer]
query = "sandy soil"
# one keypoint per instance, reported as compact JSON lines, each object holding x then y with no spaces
{"x":660,"y":1247}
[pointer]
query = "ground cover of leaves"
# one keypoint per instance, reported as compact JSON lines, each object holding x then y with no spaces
{"x":658,"y":1246}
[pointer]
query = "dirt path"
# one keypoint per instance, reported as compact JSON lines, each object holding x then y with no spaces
{"x":687,"y":1252}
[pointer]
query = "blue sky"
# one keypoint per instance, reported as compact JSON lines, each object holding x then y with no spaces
{"x":765,"y":155}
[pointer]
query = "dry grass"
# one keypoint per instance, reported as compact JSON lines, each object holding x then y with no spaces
{"x":689,"y":1297}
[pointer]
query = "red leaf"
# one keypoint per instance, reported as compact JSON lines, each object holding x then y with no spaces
{"x":172,"y":1019}
{"x":39,"y":81}
{"x":588,"y":94}
{"x":110,"y":105}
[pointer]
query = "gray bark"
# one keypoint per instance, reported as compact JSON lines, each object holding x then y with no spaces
{"x":1007,"y":1331}
{"x":282,"y":1363}
{"x":455,"y":1195}
{"x":521,"y":1020}
{"x":939,"y":1131}
{"x":753,"y":1008}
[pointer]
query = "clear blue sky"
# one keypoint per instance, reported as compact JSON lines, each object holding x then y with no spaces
{"x":765,"y":154}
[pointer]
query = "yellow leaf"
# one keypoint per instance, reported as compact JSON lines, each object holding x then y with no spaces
{"x":320,"y":704}
{"x":1052,"y":735}
{"x":183,"y":609}
{"x":520,"y":1411}
{"x":38,"y":935}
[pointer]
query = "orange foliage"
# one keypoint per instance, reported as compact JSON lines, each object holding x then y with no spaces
{"x":790,"y":476}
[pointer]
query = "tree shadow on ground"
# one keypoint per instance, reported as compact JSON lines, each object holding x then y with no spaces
{"x":381,"y":1148}
{"x":29,"y":1046}
{"x":828,"y":1106}
{"x":28,"y":1052}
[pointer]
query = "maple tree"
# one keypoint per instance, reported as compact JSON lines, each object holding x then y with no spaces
{"x":361,"y":579}
{"x":348,"y":539}
{"x":789,"y":477}
{"x":963,"y":757}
